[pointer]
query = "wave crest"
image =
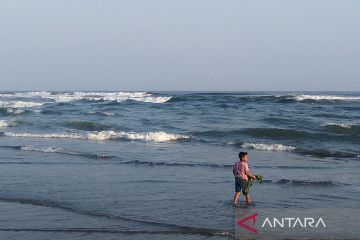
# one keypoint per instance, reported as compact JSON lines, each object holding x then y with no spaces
{"x":150,"y":136}
{"x":43,"y":135}
{"x":7,"y":123}
{"x":107,"y":135}
{"x":19,"y":104}
{"x":65,"y":97}
{"x":84,"y":125}
{"x":268,"y":147}
{"x":326,"y":98}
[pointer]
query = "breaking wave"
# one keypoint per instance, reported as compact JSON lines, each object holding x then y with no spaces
{"x":105,"y":135}
{"x":343,"y":128}
{"x":19,"y":104}
{"x":268,"y":147}
{"x":43,"y":135}
{"x":11,"y":111}
{"x":321,"y":153}
{"x":60,"y":151}
{"x":326,"y":98}
{"x":89,"y":96}
{"x":150,"y":136}
{"x":7,"y":123}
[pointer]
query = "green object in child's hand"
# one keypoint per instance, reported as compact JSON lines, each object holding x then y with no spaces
{"x":259,"y":178}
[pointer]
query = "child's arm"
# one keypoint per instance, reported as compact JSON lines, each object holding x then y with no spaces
{"x":249,"y":174}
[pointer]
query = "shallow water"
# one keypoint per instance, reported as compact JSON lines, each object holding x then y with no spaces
{"x":140,"y":165}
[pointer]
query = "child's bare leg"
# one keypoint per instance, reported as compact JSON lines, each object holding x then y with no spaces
{"x":236,"y":196}
{"x":247,"y":196}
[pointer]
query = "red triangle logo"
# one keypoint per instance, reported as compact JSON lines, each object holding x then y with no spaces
{"x":241,"y":223}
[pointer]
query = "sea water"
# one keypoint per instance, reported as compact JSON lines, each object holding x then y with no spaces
{"x":135,"y":165}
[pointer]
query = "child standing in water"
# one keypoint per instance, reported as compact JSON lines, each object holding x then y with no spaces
{"x":242,"y":174}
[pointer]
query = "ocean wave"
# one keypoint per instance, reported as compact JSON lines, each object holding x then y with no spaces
{"x":326,"y":98}
{"x":95,"y":156}
{"x":41,"y":149}
{"x":65,"y":97}
{"x":226,"y":98}
{"x":341,"y":125}
{"x":19,"y":104}
{"x":327,"y":183}
{"x":11,"y":111}
{"x":321,"y":153}
{"x":149,"y":136}
{"x":352,"y":129}
{"x":60,"y":151}
{"x":102,"y":113}
{"x":43,"y":135}
{"x":270,"y":133}
{"x":353,"y":126}
{"x":105,"y":135}
{"x":325,"y":153}
{"x":7,"y":123}
{"x":268,"y":147}
{"x":281,"y":133}
{"x":85,"y":125}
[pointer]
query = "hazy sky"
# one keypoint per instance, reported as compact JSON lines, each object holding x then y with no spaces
{"x":179,"y":45}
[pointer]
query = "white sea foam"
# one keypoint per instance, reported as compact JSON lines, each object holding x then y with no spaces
{"x":342,"y":125}
{"x":326,"y":97}
{"x":7,"y":123}
{"x":102,"y":113}
{"x":19,"y":104}
{"x":150,"y":136}
{"x":108,"y":113}
{"x":14,"y":111}
{"x":105,"y":135}
{"x":42,"y":149}
{"x":43,"y":135}
{"x":93,"y":96}
{"x":268,"y":147}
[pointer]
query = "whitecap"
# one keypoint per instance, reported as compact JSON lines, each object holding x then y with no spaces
{"x":7,"y":123}
{"x":149,"y":136}
{"x":19,"y":104}
{"x":342,"y":125}
{"x":93,"y":96}
{"x":326,"y":97}
{"x":42,"y":149}
{"x":268,"y":147}
{"x":105,"y":135}
{"x":14,"y":111}
{"x":43,"y":135}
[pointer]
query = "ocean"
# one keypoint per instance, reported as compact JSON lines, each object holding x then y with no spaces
{"x":139,"y":165}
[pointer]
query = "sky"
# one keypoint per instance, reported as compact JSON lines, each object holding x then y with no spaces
{"x":183,"y":45}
